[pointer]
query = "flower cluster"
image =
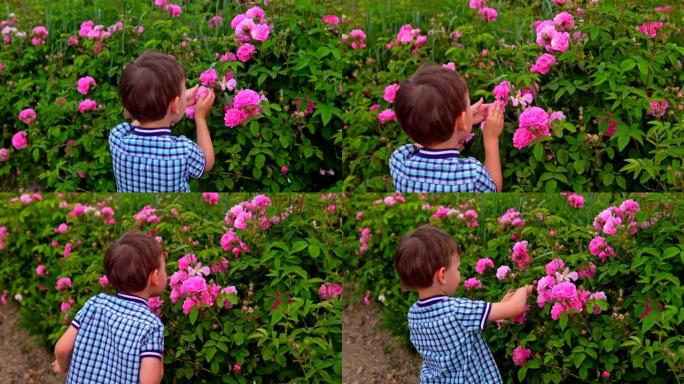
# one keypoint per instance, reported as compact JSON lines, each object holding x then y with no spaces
{"x":27,"y":115}
{"x":190,"y":282}
{"x":483,"y":264}
{"x":240,"y":215}
{"x":650,"y":28}
{"x":486,"y":13}
{"x":575,"y":200}
{"x":612,"y":218}
{"x":468,"y":216}
{"x":543,"y":64}
{"x":87,"y":105}
{"x":363,"y":240}
{"x":19,"y":140}
{"x":658,"y":108}
{"x":600,"y":247}
{"x":408,"y":36}
{"x":558,"y":287}
{"x":90,"y":31}
{"x":356,"y":37}
{"x":472,"y":283}
{"x":520,"y":254}
{"x":250,"y":25}
{"x":147,"y":215}
{"x":330,"y":291}
{"x":202,"y":91}
{"x":552,"y":35}
{"x":40,"y":33}
{"x":389,"y":201}
{"x":534,"y":123}
{"x":502,"y":92}
{"x":63,"y":283}
{"x":503,"y":272}
{"x":3,"y":237}
{"x":520,"y":356}
{"x":245,"y":105}
{"x":84,"y":83}
{"x":174,"y":9}
{"x":211,"y":198}
{"x":231,"y":242}
{"x":511,"y":218}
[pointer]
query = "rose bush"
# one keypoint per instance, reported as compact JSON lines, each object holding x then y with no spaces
{"x":607,"y":276}
{"x":63,"y":92}
{"x":254,"y":283}
{"x":611,"y":72}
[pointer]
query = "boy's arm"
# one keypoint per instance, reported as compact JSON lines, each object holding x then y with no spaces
{"x":151,"y":370}
{"x":63,"y":349}
{"x":492,"y":131}
{"x":202,"y":108}
{"x":511,"y":306}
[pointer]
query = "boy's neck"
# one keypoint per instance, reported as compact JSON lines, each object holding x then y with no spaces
{"x":425,"y":293}
{"x":142,"y":294}
{"x":453,"y":142}
{"x":163,"y":123}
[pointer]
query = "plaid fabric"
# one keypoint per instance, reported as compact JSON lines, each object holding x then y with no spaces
{"x":416,"y":169}
{"x":446,"y":332}
{"x":114,"y":334}
{"x":151,"y":160}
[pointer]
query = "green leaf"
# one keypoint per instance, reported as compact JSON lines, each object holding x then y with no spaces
{"x":193,"y":315}
{"x":538,"y":151}
{"x":522,"y":372}
{"x":563,"y":322}
{"x":314,"y":250}
{"x":259,"y":160}
{"x":627,"y":65}
{"x":299,"y":246}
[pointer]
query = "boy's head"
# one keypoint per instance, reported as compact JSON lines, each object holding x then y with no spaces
{"x":152,"y":87}
{"x":433,"y":106}
{"x":429,"y":257}
{"x":136,"y":263}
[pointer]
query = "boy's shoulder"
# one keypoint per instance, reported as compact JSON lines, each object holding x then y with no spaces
{"x":122,"y":305}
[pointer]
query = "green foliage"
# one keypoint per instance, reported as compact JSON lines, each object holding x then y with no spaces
{"x":298,"y":339}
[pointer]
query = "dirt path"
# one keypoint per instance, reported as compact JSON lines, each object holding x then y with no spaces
{"x":369,"y":353}
{"x":22,"y":361}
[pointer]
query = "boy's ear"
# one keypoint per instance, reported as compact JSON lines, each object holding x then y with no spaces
{"x":153,"y":279}
{"x":441,"y":275}
{"x":174,"y":106}
{"x":460,"y":122}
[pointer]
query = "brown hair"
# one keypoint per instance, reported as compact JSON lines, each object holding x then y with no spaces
{"x":428,"y":104}
{"x":421,"y":253}
{"x":149,"y":83}
{"x":130,"y":260}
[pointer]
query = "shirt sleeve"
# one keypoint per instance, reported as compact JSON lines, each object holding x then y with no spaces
{"x":81,"y":315}
{"x":119,"y":132}
{"x":152,"y":343}
{"x":196,"y":159}
{"x":396,"y":161}
{"x":484,"y":182}
{"x":472,"y":315}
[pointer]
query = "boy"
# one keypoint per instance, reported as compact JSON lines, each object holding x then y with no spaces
{"x":433,"y":108}
{"x":445,"y":330}
{"x":118,"y":339}
{"x":146,"y":158}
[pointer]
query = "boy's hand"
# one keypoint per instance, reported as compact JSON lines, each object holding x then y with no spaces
{"x":203,"y":105}
{"x":56,"y":368}
{"x":494,"y":124}
{"x":508,"y":295}
{"x":479,"y":111}
{"x":190,"y":95}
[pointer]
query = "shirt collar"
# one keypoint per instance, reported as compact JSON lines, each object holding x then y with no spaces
{"x":132,"y":298}
{"x":431,"y":300}
{"x":161,"y":131}
{"x":446,"y":153}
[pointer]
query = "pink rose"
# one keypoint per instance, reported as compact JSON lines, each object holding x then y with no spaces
{"x":84,"y":84}
{"x":19,"y":140}
{"x":87,"y":105}
{"x":244,"y":53}
{"x":543,"y":64}
{"x":391,"y":92}
{"x":28,"y":115}
{"x":387,"y":115}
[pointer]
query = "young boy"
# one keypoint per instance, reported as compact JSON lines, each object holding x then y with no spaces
{"x":433,"y":108}
{"x":145,"y":156}
{"x":118,"y":339}
{"x":445,"y":330}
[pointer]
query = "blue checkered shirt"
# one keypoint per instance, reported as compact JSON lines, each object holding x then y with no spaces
{"x":152,"y":160}
{"x":416,"y":169}
{"x":114,"y":334}
{"x":446,"y":332}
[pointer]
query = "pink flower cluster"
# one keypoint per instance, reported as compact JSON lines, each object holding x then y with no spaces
{"x":511,"y":218}
{"x":552,"y":35}
{"x":305,"y":112}
{"x":520,"y":254}
{"x":103,"y":280}
{"x":41,"y":270}
{"x":651,"y":28}
{"x":483,"y":264}
{"x":208,"y":77}
{"x":84,"y":83}
{"x":231,"y":242}
{"x":65,"y":306}
{"x":147,"y":215}
{"x":391,"y":92}
{"x":211,"y":198}
{"x":389,"y":201}
{"x":600,"y":247}
{"x":330,"y":291}
{"x":240,"y":215}
{"x":503,"y":271}
{"x":557,"y":287}
{"x":27,"y":198}
{"x":408,"y":36}
{"x":190,"y":282}
{"x":154,"y":304}
{"x":543,"y":64}
{"x":386,"y":116}
{"x":63,"y":282}
{"x":486,"y":13}
{"x":20,"y":140}
{"x":533,"y":123}
{"x":62,"y":228}
{"x":356,"y":37}
{"x":87,"y":105}
{"x":3,"y":237}
{"x":575,"y":200}
{"x":98,"y":32}
{"x":215,"y":21}
{"x":520,"y":356}
{"x":363,"y":240}
{"x":245,"y":105}
{"x":658,"y":108}
{"x":174,"y":9}
{"x":27,"y":115}
{"x":501,"y":92}
{"x":469,"y":216}
{"x":245,"y":52}
{"x":331,"y":19}
{"x":612,"y":218}
{"x":472,"y":283}
{"x":251,"y":25}
{"x":39,"y":35}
